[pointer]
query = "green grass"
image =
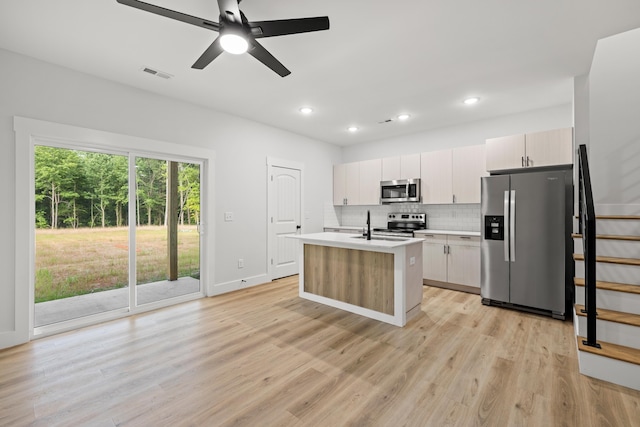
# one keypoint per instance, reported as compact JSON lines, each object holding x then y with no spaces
{"x":76,"y":262}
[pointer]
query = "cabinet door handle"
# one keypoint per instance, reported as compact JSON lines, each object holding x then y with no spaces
{"x":465,"y":237}
{"x":454,"y":198}
{"x":444,"y":247}
{"x":528,"y":161}
{"x":522,"y":162}
{"x":428,"y":235}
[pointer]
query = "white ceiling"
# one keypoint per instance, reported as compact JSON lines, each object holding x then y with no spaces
{"x":379,"y":59}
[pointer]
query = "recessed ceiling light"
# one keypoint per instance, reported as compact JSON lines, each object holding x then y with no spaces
{"x":403,"y":116}
{"x":352,"y":128}
{"x":471,"y":101}
{"x":306,"y":110}
{"x":234,"y":44}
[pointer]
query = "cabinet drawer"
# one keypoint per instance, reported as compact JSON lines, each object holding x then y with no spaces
{"x":433,"y":238}
{"x":464,"y":240}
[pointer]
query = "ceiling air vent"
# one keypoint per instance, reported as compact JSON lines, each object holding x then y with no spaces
{"x":157,"y":73}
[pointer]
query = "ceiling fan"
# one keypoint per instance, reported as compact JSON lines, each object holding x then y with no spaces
{"x":237,"y":34}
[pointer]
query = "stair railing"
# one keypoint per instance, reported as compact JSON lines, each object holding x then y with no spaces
{"x":587,"y":223}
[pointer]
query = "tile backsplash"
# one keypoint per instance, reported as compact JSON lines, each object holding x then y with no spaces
{"x":461,"y":217}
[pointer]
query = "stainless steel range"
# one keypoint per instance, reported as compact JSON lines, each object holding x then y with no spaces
{"x":402,"y":224}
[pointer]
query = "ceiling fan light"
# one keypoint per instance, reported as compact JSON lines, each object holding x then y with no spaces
{"x":234,"y":44}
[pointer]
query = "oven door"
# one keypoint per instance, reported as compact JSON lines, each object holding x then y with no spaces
{"x":400,"y":191}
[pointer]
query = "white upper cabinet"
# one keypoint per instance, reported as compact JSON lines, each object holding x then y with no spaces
{"x":390,"y":168}
{"x":436,"y":172}
{"x":468,"y":167}
{"x":506,"y":152}
{"x":410,"y":166}
{"x":401,"y":167}
{"x":553,"y":147}
{"x":352,"y":184}
{"x":346,"y":184}
{"x":453,"y":176}
{"x":548,"y":148}
{"x":339,"y":184}
{"x":370,"y":177}
{"x":357,"y":183}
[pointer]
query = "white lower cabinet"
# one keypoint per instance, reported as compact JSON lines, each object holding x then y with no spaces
{"x":451,"y":259}
{"x":434,"y":257}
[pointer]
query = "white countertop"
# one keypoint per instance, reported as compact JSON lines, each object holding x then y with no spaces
{"x":341,"y":239}
{"x":449,"y":232}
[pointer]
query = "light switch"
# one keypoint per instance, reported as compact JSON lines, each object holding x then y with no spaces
{"x":228,"y":216}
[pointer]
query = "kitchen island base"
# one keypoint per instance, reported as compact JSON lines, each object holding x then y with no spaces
{"x":381,"y":280}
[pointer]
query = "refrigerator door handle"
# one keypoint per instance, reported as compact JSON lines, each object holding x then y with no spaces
{"x":506,"y":221}
{"x":512,"y":225}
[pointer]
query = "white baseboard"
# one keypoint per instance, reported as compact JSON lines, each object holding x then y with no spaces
{"x":234,"y":285}
{"x":12,"y":338}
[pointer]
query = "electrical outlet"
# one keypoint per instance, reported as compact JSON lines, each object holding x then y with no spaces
{"x":240,"y":263}
{"x":412,"y":260}
{"x":228,"y":216}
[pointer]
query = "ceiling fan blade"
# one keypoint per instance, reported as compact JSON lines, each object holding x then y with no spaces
{"x":212,"y":52}
{"x":230,"y":11}
{"x":168,"y":13}
{"x":283,"y":27}
{"x":263,"y":55}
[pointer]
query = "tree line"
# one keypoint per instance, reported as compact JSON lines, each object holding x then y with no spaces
{"x":85,"y":189}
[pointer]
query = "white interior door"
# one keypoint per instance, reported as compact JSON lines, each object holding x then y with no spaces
{"x":285,"y":220}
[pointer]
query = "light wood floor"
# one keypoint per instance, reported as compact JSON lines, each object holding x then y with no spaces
{"x":264,"y":357}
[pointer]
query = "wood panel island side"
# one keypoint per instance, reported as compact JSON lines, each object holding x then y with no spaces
{"x":379,"y":279}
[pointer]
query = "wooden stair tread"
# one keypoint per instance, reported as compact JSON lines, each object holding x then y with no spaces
{"x":612,"y":316}
{"x":610,"y":286}
{"x":613,"y":351}
{"x":610,"y":237}
{"x":610,"y":260}
{"x":623,"y":217}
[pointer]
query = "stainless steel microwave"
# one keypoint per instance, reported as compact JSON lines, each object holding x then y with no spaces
{"x":400,"y":191}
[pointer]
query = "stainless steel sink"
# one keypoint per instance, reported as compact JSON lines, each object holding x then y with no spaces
{"x":389,"y":239}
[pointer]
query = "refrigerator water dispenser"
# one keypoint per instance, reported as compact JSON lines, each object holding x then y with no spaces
{"x":494,"y":227}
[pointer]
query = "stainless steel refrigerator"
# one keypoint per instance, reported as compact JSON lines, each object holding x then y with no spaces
{"x":526,"y":241}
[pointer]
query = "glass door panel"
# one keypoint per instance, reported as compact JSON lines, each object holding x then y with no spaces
{"x":167,"y":231}
{"x":81,"y":229}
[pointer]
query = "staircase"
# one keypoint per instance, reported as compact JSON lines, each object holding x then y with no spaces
{"x":617,"y":300}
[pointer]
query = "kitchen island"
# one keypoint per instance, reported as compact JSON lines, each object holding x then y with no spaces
{"x":379,"y":278}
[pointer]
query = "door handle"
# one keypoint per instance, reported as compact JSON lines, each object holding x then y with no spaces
{"x":512,"y":226}
{"x":298,"y":227}
{"x":505,"y":224}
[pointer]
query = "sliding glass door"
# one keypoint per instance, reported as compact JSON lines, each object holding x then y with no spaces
{"x":103,"y":247}
{"x":167,"y":229}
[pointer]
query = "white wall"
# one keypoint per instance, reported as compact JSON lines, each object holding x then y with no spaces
{"x":35,"y":89}
{"x":472,"y":133}
{"x":614,"y":142}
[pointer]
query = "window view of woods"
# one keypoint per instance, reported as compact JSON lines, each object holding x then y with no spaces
{"x":82,"y":222}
